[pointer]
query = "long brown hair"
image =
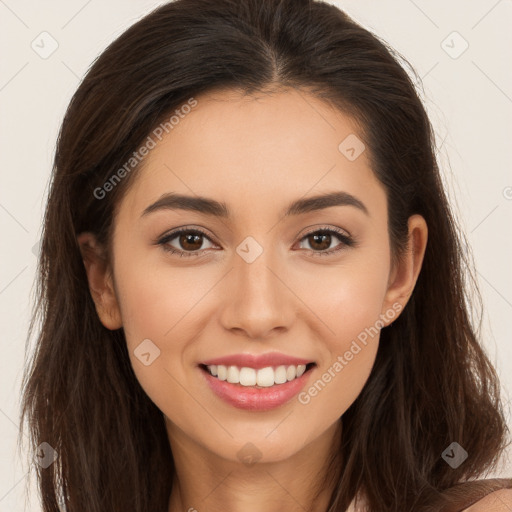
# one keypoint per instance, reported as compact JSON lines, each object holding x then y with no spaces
{"x":431,"y":384}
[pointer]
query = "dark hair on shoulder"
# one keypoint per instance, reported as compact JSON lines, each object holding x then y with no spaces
{"x":431,"y":384}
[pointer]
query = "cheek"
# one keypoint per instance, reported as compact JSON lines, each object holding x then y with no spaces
{"x":164,"y":306}
{"x":155,"y":301}
{"x":150,"y":311}
{"x":348,"y":302}
{"x":346,"y":298}
{"x":349,"y":355}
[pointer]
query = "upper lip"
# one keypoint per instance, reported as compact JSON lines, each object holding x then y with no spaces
{"x":256,"y":361}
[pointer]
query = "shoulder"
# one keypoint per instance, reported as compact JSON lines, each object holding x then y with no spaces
{"x":497,"y":501}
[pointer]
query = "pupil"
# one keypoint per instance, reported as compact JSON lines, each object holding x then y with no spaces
{"x":325,"y":237}
{"x":189,"y":239}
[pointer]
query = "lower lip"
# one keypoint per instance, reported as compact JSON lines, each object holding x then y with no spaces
{"x":256,"y":399}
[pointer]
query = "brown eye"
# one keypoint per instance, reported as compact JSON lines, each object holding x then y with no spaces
{"x":321,"y":241}
{"x":190,"y":242}
{"x":185,"y":242}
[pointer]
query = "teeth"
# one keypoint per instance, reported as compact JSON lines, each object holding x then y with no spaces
{"x":247,"y":376}
{"x":280,"y":375}
{"x":222,"y":372}
{"x":264,"y":377}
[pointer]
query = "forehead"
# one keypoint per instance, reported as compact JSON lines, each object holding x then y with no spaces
{"x":266,"y":149}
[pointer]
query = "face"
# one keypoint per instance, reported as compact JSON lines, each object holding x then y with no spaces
{"x":312,"y":285}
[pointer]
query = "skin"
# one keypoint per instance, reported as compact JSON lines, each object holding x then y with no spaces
{"x":497,"y":501}
{"x":257,"y":155}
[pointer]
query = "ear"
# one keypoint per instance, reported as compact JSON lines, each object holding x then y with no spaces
{"x":405,"y":272}
{"x":101,"y":286}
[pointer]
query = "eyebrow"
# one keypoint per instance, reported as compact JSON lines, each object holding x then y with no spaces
{"x":207,"y":206}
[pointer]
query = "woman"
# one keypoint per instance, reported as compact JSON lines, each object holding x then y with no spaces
{"x":251,"y":283}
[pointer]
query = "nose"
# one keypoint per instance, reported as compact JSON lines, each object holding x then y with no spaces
{"x":258,"y":301}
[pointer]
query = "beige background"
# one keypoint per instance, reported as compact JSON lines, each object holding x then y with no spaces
{"x":468,"y":94}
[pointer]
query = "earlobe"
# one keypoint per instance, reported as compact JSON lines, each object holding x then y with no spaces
{"x":406,"y":271}
{"x":99,"y":276}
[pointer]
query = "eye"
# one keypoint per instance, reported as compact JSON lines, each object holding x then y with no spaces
{"x":189,"y":241}
{"x":321,"y":240}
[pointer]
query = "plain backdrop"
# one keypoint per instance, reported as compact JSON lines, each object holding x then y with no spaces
{"x":461,"y":49}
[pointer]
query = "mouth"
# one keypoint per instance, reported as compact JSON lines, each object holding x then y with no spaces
{"x":268,"y":377}
{"x":256,"y":390}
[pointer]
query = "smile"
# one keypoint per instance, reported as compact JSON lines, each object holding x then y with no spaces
{"x":254,"y":389}
{"x":263,"y":377}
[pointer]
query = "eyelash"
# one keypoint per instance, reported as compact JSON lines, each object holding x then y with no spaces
{"x":347,"y":241}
